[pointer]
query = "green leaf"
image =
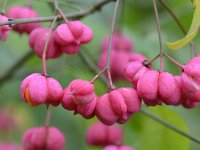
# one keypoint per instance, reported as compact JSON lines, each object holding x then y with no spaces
{"x":151,"y":135}
{"x":194,"y":29}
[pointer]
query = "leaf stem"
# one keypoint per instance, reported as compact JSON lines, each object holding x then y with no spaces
{"x":46,"y":47}
{"x":48,"y":117}
{"x":173,"y":60}
{"x":159,"y":34}
{"x":76,"y":15}
{"x":111,"y":42}
{"x":58,"y":10}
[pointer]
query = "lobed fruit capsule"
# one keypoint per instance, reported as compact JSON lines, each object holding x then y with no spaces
{"x":38,"y":89}
{"x":43,"y":138}
{"x":99,"y":134}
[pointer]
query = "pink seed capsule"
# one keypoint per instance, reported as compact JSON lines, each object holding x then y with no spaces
{"x":53,"y":51}
{"x":104,"y":111}
{"x":195,"y":60}
{"x":137,"y":57}
{"x":63,"y":35}
{"x":34,"y":35}
{"x":114,"y":147}
{"x":147,"y":87}
{"x":19,"y":12}
{"x":37,"y":89}
{"x":99,"y":134}
{"x":169,"y":91}
{"x":83,"y":91}
{"x":87,"y":110}
{"x":192,"y":69}
{"x":87,"y":35}
{"x":117,"y":106}
{"x":119,"y":43}
{"x":4,"y":30}
{"x":40,"y":138}
{"x":76,"y":27}
{"x":70,"y":48}
{"x":132,"y":68}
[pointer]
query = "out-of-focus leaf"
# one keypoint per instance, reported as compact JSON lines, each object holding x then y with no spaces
{"x":153,"y":135}
{"x":194,"y":29}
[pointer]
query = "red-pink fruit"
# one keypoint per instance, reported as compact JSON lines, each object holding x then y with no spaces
{"x":80,"y":97}
{"x":118,"y":62}
{"x":34,"y":35}
{"x":195,"y":59}
{"x":53,"y":50}
{"x":87,"y":35}
{"x":137,"y":57}
{"x":188,"y":103}
{"x":104,"y":110}
{"x":138,"y":74}
{"x":75,"y":32}
{"x":119,"y":43}
{"x":147,"y":87}
{"x":132,"y":68}
{"x":63,"y":35}
{"x":192,"y":69}
{"x":76,"y":27}
{"x":70,"y":49}
{"x":9,"y":146}
{"x":19,"y":12}
{"x":114,"y":147}
{"x":87,"y":110}
{"x":117,"y":106}
{"x":99,"y":134}
{"x":169,"y":91}
{"x":37,"y":89}
{"x":82,"y":90}
{"x":67,"y":100}
{"x":186,"y":99}
{"x":4,"y":30}
{"x":43,"y":138}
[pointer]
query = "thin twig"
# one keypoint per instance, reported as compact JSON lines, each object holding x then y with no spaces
{"x":59,"y":11}
{"x":91,"y":65}
{"x":77,"y":15}
{"x":159,"y":33}
{"x":173,"y":60}
{"x":48,"y":117}
{"x":111,"y":42}
{"x":170,"y":126}
{"x":3,"y":10}
{"x":107,"y":67}
{"x":46,"y":47}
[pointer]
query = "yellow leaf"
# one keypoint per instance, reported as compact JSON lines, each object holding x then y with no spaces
{"x":194,"y":29}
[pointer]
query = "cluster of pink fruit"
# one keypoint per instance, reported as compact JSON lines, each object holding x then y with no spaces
{"x":108,"y":137}
{"x":156,"y":87}
{"x":116,"y":106}
{"x":77,"y":34}
{"x":41,"y":138}
{"x":18,"y":12}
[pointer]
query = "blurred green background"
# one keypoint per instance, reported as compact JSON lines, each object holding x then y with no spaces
{"x":139,"y":24}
